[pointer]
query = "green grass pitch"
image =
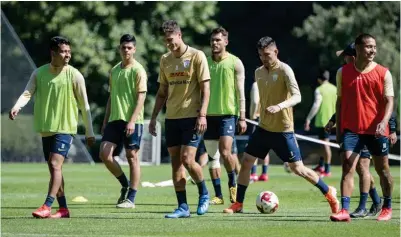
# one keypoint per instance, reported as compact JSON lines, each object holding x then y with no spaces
{"x":303,"y":211}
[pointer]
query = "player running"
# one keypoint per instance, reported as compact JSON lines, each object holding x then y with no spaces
{"x":279,"y":92}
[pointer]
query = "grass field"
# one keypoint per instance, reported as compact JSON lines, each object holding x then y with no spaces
{"x":303,"y":210}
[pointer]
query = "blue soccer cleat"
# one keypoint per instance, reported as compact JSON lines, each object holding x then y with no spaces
{"x":179,"y":213}
{"x":203,"y":204}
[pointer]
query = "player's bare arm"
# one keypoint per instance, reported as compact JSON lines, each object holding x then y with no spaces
{"x":201,"y":124}
{"x":240,"y":85}
{"x":161,"y":98}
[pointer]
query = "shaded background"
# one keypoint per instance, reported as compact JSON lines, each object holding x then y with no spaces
{"x":307,"y":35}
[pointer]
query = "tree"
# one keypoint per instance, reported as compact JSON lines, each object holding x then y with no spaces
{"x":333,"y":28}
{"x":94,"y":29}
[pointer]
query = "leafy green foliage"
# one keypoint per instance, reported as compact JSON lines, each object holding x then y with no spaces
{"x":331,"y":29}
{"x":95,"y":28}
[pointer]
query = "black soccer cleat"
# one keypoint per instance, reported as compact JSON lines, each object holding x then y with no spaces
{"x":359,"y":213}
{"x":375,"y":209}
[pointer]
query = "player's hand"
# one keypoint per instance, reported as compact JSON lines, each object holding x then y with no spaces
{"x":152,"y":127}
{"x":130,"y":129}
{"x":273,"y":109}
{"x":380,"y":129}
{"x":90,"y":141}
{"x":307,"y":125}
{"x":201,"y":125}
{"x":393,"y":138}
{"x":242,"y":126}
{"x":103,"y":128}
{"x":13,"y":113}
{"x":329,"y":126}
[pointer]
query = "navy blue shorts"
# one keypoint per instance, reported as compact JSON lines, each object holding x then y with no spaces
{"x":218,"y":126}
{"x":115,"y":133}
{"x":365,"y":153}
{"x":284,"y":144}
{"x":58,"y":143}
{"x":182,"y":132}
{"x":119,"y":148}
{"x":377,"y":146}
{"x":322,"y":134}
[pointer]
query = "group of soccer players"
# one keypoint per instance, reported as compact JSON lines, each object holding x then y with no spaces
{"x":205,"y":102}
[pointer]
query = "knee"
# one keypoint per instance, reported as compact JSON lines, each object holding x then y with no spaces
{"x":225,"y":153}
{"x":248,"y":162}
{"x":362,"y":171}
{"x":187,"y":160}
{"x":106,"y":157}
{"x":132,"y":157}
{"x":55,"y":165}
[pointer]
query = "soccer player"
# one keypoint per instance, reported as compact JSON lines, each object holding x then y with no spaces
{"x":364,"y":105}
{"x":184,"y":86}
{"x":279,"y":92}
{"x":323,"y":108}
{"x":254,"y":111}
{"x":366,"y":181}
{"x":227,"y":102}
{"x":123,"y":121}
{"x":202,"y":158}
{"x":59,"y":91}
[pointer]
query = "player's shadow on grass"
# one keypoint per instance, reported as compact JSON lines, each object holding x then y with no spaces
{"x":113,"y":205}
{"x":133,"y":211}
{"x":17,"y":217}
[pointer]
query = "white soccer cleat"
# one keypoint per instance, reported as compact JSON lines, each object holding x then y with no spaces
{"x":126,"y":204}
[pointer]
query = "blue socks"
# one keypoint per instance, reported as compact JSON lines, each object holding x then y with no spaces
{"x":182,"y":199}
{"x":62,"y":202}
{"x":217,"y":187}
{"x":387,"y":202}
{"x":321,"y":161}
{"x":375,"y":197}
{"x":264,"y":169}
{"x":362,"y":200}
{"x":253,"y":170}
{"x":49,"y":201}
{"x":202,"y":188}
{"x":326,"y":168}
{"x":241,"y":189}
{"x":232,"y":179}
{"x":322,"y":186}
{"x":131,"y":195}
{"x":123,"y":180}
{"x":345,"y":202}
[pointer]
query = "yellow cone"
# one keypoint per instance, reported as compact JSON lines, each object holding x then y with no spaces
{"x":79,"y":199}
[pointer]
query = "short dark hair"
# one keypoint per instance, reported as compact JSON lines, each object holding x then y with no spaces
{"x":324,"y":75}
{"x":56,"y":41}
{"x":265,"y":42}
{"x":361,"y":38}
{"x":170,"y":26}
{"x":128,"y":38}
{"x":218,"y":30}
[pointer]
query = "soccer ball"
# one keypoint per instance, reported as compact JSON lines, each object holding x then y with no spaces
{"x":267,"y":202}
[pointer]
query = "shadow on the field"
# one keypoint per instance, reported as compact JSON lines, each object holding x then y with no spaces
{"x":17,"y":217}
{"x":113,"y":205}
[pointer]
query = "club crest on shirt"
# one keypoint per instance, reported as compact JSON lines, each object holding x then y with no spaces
{"x":186,"y":63}
{"x":275,"y":76}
